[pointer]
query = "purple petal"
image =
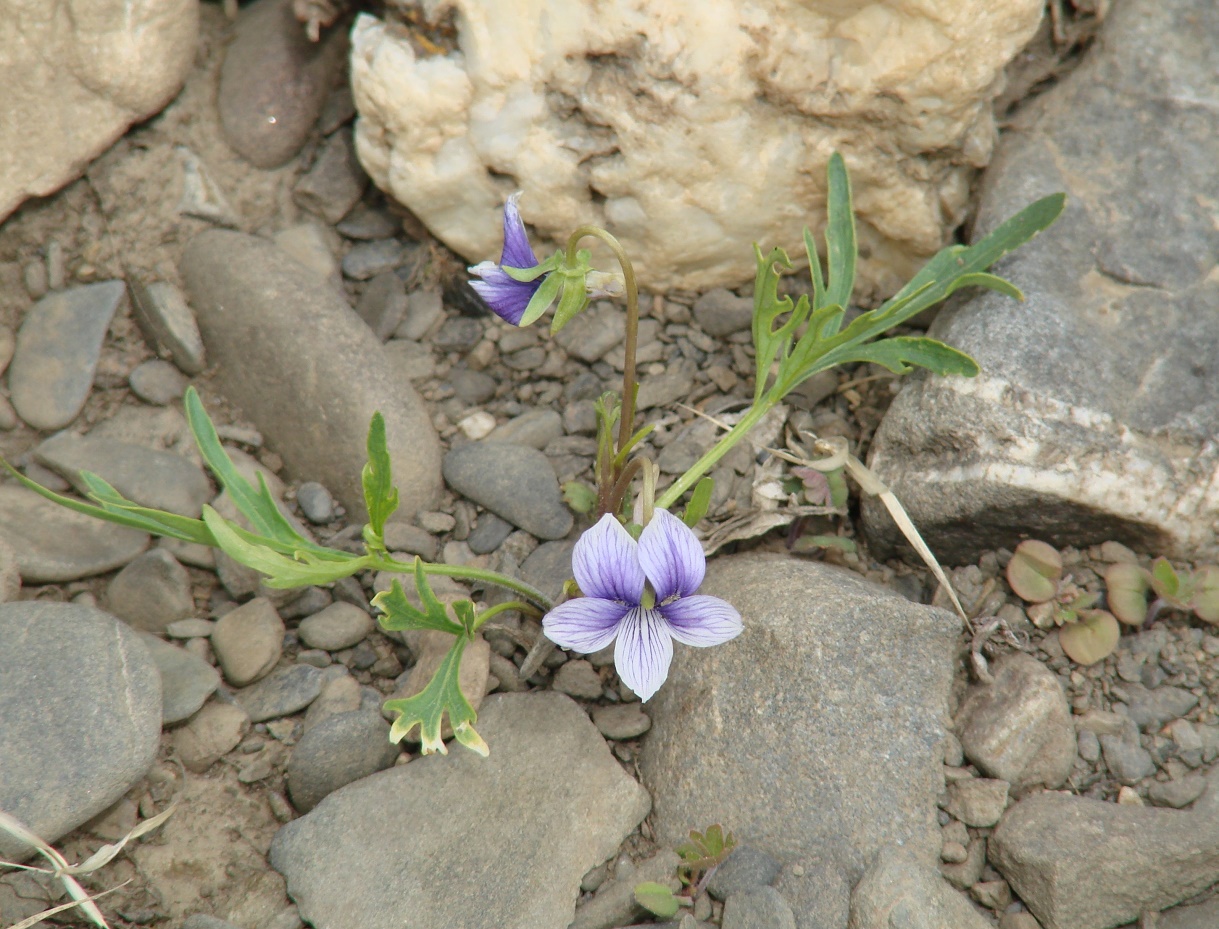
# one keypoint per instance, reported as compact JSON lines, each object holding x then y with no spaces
{"x":606,"y":563}
{"x":517,"y":253}
{"x":671,"y":556}
{"x":702,"y":620}
{"x":506,"y":298}
{"x":586,"y":624}
{"x":643,"y":652}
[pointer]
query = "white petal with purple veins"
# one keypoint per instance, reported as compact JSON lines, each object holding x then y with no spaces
{"x":586,"y":624}
{"x":643,"y":652}
{"x":671,"y":556}
{"x":701,"y":620}
{"x":606,"y":563}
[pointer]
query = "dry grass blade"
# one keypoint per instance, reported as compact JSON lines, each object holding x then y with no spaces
{"x":40,"y":917}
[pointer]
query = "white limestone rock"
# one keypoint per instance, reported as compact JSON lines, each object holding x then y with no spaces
{"x":76,"y":76}
{"x":690,"y":128}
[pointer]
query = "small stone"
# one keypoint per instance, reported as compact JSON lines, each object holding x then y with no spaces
{"x":477,"y":425}
{"x":436,"y":522}
{"x":283,"y":692}
{"x":458,"y":334}
{"x":1019,"y":921}
{"x":338,"y":626}
{"x":489,"y":534}
{"x":215,"y":731}
{"x":623,"y":721}
{"x":593,"y":333}
{"x":661,"y":390}
{"x":8,"y":416}
{"x":10,"y":575}
{"x":758,"y":908}
{"x":1177,"y":793}
{"x":368,"y":259}
{"x":720,"y":312}
{"x":953,"y":852}
{"x":424,"y":307}
{"x":977,"y":801}
{"x":1128,"y":796}
{"x":336,"y":181}
{"x":338,"y":695}
{"x":383,"y":304}
{"x":315,"y":502}
{"x":536,"y":429}
{"x":248,"y":641}
{"x":472,"y":386}
{"x":965,"y":874}
{"x":151,"y":592}
{"x":615,"y":901}
{"x":415,"y":361}
{"x":1128,"y":761}
{"x":115,"y":822}
{"x":1089,"y":745}
{"x":579,"y":679}
{"x":527,"y":359}
{"x":745,"y":869}
{"x":403,"y":537}
{"x":168,"y":324}
{"x":994,"y":895}
{"x":57,"y":351}
{"x":1151,"y":709}
{"x":337,"y":751}
{"x":366,"y":222}
{"x":186,"y":680}
{"x":515,"y":482}
{"x":157,"y":382}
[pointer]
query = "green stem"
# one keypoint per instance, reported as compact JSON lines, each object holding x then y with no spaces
{"x":503,"y":608}
{"x":632,"y":321}
{"x":471,"y":574}
{"x":716,"y":452}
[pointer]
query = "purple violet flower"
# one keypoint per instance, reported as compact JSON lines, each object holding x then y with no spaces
{"x":508,"y":298}
{"x":642,"y":594}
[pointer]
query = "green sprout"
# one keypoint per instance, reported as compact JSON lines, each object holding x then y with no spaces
{"x":1129,"y":585}
{"x":700,"y":856}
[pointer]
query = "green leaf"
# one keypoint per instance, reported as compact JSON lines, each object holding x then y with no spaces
{"x":811,"y":543}
{"x":579,"y":496}
{"x":700,"y":500}
{"x":400,"y":613}
{"x":1126,"y":587}
{"x":771,"y":343}
{"x":1093,"y":637}
{"x":1164,"y":579}
{"x":1205,"y":602}
{"x":642,"y":433}
{"x":380,"y":494}
{"x":901,"y":354}
{"x":656,"y":898}
{"x":427,"y":708}
{"x":526,"y":275}
{"x":575,"y":293}
{"x":840,"y":493}
{"x":541,"y":300}
{"x":281,"y":571}
{"x":841,"y":248}
{"x":1034,"y":571}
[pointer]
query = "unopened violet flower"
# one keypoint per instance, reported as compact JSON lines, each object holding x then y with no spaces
{"x":642,"y":594}
{"x":506,"y":297}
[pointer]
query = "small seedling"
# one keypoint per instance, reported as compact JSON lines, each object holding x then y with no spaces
{"x":1129,"y":584}
{"x":1035,"y":574}
{"x":700,"y":856}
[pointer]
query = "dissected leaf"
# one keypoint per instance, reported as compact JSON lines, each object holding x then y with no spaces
{"x":579,"y":496}
{"x":1091,"y":638}
{"x":400,"y":613}
{"x":380,"y":494}
{"x":282,"y":571}
{"x":1034,"y":571}
{"x":901,"y":354}
{"x":1126,"y":587}
{"x":656,"y":898}
{"x":427,"y":708}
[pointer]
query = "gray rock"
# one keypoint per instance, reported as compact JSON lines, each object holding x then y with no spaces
{"x":215,"y":731}
{"x":1126,"y":759}
{"x":759,"y":908}
{"x":54,"y":544}
{"x":977,"y":801}
{"x":424,"y":307}
{"x":458,"y":334}
{"x":1177,"y":793}
{"x":413,"y":361}
{"x":489,"y":534}
{"x":157,"y":382}
{"x":347,"y":863}
{"x":315,"y":502}
{"x":1019,"y":728}
{"x":202,"y":921}
{"x":161,"y":312}
{"x":283,"y":692}
{"x":10,"y":574}
{"x":720,"y":312}
{"x":149,"y":477}
{"x":339,"y":695}
{"x":368,"y":259}
{"x":1094,"y":417}
{"x":313,"y":247}
{"x":536,"y":428}
{"x":337,"y":751}
{"x":746,"y":868}
{"x":548,"y":567}
{"x":58,"y":347}
{"x":274,"y":82}
{"x":615,"y":903}
{"x":365,"y":222}
{"x":1089,"y":745}
{"x":835,"y":690}
{"x":338,"y":626}
{"x":306,"y":370}
{"x":900,"y":892}
{"x":383,"y":304}
{"x":151,"y":592}
{"x":248,"y":641}
{"x":511,"y":481}
{"x":662,"y":389}
{"x":618,"y":721}
{"x":1151,"y":709}
{"x":473,"y":387}
{"x":8,"y":343}
{"x":336,"y":181}
{"x":1079,"y":863}
{"x":186,"y":680}
{"x":403,"y":537}
{"x":81,"y":719}
{"x":578,"y":679}
{"x":1201,"y":916}
{"x":593,"y":333}
{"x":964,"y":874}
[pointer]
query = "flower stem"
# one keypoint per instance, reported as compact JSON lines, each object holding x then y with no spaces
{"x":385,"y":563}
{"x":715,"y":453}
{"x":627,"y":422}
{"x":503,"y":608}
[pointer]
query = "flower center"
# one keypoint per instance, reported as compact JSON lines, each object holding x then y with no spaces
{"x":648,"y":600}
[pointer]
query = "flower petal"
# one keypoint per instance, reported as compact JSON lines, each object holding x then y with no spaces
{"x":586,"y":624}
{"x":517,"y":253}
{"x":506,"y":298}
{"x":702,"y":620}
{"x":644,"y":651}
{"x":671,"y":556}
{"x":606,"y":563}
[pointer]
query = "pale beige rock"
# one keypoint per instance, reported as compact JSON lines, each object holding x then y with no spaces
{"x":215,"y":730}
{"x":690,"y":129}
{"x":248,"y":641}
{"x":75,"y":76}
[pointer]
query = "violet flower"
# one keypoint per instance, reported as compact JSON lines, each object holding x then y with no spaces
{"x":506,"y":297}
{"x":642,"y":594}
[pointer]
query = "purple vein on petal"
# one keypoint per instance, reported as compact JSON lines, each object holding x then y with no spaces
{"x":643,"y":652}
{"x":606,"y":563}
{"x":671,"y":556}
{"x":586,"y":624}
{"x":701,"y":620}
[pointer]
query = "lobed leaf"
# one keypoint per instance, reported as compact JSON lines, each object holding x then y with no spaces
{"x":427,"y":708}
{"x":401,"y":614}
{"x":303,"y":570}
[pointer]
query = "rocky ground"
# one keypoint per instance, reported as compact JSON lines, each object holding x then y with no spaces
{"x":869,"y":776}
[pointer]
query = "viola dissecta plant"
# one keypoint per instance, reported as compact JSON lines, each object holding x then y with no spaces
{"x":637,"y":570}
